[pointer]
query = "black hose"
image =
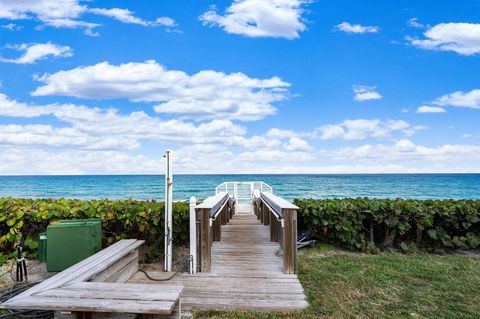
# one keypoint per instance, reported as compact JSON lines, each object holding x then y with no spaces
{"x":157,"y":279}
{"x":11,"y":292}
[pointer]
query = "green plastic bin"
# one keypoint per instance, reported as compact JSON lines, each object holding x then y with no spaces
{"x":42,"y":247}
{"x":71,"y":241}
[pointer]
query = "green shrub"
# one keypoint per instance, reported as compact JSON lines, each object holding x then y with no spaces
{"x":362,"y":223}
{"x":21,"y":220}
{"x":372,"y":224}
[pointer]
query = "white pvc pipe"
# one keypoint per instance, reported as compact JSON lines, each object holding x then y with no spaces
{"x":168,"y":212}
{"x":193,"y":236}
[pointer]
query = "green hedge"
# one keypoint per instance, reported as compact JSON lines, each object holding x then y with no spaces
{"x":373,"y":224}
{"x":363,"y":224}
{"x":22,"y":219}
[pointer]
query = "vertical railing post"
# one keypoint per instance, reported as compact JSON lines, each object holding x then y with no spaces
{"x":266,"y":217}
{"x":289,"y":241}
{"x":193,"y":236}
{"x":204,"y":246}
{"x":273,"y":227}
{"x":217,"y":224}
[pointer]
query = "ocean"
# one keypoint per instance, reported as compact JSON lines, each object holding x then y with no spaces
{"x":146,"y":187}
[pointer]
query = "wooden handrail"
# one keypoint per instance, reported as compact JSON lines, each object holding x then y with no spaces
{"x":214,"y":203}
{"x":214,"y":212}
{"x":281,"y":216}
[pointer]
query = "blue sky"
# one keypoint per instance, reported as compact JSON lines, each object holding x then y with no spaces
{"x":243,"y":86}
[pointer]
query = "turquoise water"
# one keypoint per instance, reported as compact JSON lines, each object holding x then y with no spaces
{"x":420,"y":186}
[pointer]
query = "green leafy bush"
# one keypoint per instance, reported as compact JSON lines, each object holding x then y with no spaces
{"x":373,"y":224}
{"x":21,"y":220}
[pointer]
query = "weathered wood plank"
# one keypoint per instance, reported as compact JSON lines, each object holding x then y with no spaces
{"x":246,"y":273}
{"x":118,"y":266}
{"x":94,"y":305}
{"x":87,"y":268}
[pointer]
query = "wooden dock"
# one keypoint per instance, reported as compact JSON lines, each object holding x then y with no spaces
{"x":246,"y":274}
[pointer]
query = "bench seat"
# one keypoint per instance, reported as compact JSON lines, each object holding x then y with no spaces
{"x":105,"y":297}
{"x":97,"y":285}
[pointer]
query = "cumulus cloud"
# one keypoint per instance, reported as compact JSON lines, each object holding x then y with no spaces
{"x":260,"y":18}
{"x":37,"y":51}
{"x":297,"y":144}
{"x":462,"y":38}
{"x":166,"y":22}
{"x":431,"y":109}
{"x":128,"y":17}
{"x":204,"y":95}
{"x":54,"y":13}
{"x":362,"y":128}
{"x":365,"y":93}
{"x":469,"y":99}
{"x":406,"y":150}
{"x":413,"y":22}
{"x":282,"y":134}
{"x":65,"y":14}
{"x":356,"y":28}
{"x":46,"y":135}
{"x":107,"y":128}
{"x":19,"y":161}
{"x":10,"y":27}
{"x":122,"y":15}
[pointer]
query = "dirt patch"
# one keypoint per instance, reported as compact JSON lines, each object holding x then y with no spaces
{"x":36,"y":271}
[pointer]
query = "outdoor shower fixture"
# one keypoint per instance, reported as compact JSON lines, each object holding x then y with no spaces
{"x":168,"y":211}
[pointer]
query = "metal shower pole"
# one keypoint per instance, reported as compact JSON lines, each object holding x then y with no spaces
{"x":168,"y":212}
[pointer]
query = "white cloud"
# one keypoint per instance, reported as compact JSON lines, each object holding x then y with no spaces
{"x":12,"y":108}
{"x":361,"y":129}
{"x":44,"y":10}
{"x":166,"y":22}
{"x":282,"y":134}
{"x":46,"y":135}
{"x":38,"y":51}
{"x":407,"y":151}
{"x":10,"y":27}
{"x":19,"y":161}
{"x":260,"y":18}
{"x":65,"y":14}
{"x":122,"y":15}
{"x":356,"y":28}
{"x":105,"y":126}
{"x":274,"y":156}
{"x":469,"y":99}
{"x":413,"y":22}
{"x":365,"y":93}
{"x":204,"y":95}
{"x":462,"y":38}
{"x":297,"y":144}
{"x":54,"y":13}
{"x":430,"y":109}
{"x":127,"y":16}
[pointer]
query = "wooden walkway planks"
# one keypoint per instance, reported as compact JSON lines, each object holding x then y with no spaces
{"x":246,"y":273}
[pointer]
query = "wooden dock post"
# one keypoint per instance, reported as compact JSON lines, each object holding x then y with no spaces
{"x":273,"y":228}
{"x":204,"y":246}
{"x":266,"y":215}
{"x":289,"y":241}
{"x":281,"y":215}
{"x":210,"y":217}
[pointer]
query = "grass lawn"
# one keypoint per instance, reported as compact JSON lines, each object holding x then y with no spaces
{"x":389,"y":285}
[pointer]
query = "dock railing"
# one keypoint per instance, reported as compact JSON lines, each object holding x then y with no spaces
{"x":243,"y":192}
{"x":281,"y":216}
{"x":214,"y":212}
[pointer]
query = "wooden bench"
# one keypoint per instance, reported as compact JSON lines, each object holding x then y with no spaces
{"x":96,"y":288}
